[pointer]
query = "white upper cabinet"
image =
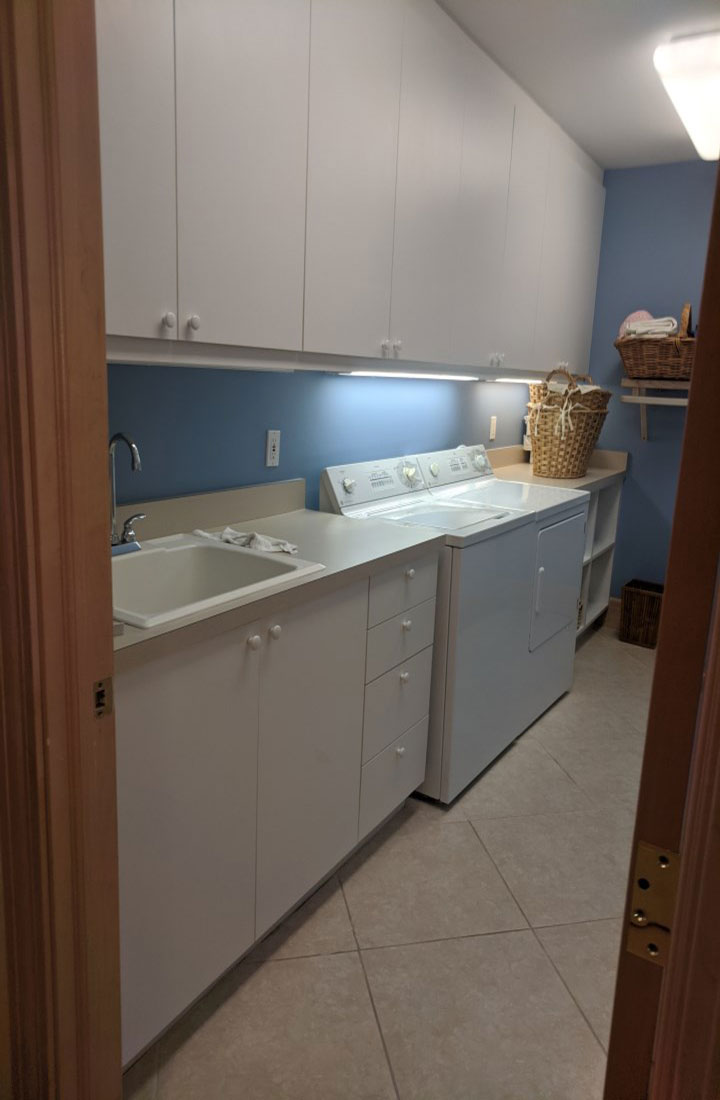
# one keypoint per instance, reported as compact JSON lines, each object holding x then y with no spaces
{"x":242,"y":114}
{"x":136,"y":76}
{"x":569,"y":264}
{"x":482,"y":214}
{"x":355,"y":63}
{"x":428,"y":185}
{"x":524,"y":238}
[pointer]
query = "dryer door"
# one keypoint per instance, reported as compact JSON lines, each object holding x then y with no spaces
{"x":558,"y":573}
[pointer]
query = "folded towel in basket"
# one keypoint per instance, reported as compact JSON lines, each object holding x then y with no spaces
{"x":656,"y":326}
{"x":251,"y":539}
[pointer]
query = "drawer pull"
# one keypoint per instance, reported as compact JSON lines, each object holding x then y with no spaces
{"x":407,"y":624}
{"x":400,"y":750}
{"x":254,"y":641}
{"x":404,"y":677}
{"x":409,"y":573}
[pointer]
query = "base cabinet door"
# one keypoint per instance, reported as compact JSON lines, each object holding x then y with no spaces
{"x":311,"y":714}
{"x":187,"y":729}
{"x":557,"y":578}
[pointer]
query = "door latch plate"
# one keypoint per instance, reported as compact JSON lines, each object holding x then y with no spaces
{"x":103,"y":697}
{"x":654,"y":894}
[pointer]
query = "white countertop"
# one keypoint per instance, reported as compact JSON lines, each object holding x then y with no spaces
{"x":595,"y":478}
{"x":347,"y":548}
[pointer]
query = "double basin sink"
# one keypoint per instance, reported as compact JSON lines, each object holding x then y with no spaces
{"x":182,"y":575}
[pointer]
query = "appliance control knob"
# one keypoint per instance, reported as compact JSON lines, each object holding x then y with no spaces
{"x":275,"y":631}
{"x":410,"y":475}
{"x":169,"y":319}
{"x":348,"y":484}
{"x":404,"y":677}
{"x":434,"y":469}
{"x":254,"y":641}
{"x":479,"y":461}
{"x":194,"y":322}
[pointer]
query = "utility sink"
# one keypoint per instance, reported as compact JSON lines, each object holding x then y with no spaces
{"x":183,"y":574}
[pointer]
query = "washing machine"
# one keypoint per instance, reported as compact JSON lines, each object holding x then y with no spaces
{"x":508,"y":586}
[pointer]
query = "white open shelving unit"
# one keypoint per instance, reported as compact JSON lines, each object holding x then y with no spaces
{"x":600,"y":535}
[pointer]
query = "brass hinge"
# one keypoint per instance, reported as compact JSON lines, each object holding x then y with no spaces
{"x":654,"y":893}
{"x":103,"y":697}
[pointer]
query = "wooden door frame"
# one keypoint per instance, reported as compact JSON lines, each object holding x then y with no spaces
{"x":675,"y":804}
{"x":59,"y":956}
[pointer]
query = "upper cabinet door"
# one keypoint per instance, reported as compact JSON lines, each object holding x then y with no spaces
{"x":356,"y":55}
{"x":485,"y":172}
{"x":527,"y":196}
{"x":428,"y":184}
{"x":570,"y":256}
{"x":136,"y":76}
{"x":242,"y":112}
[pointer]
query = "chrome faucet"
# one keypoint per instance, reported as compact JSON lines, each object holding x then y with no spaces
{"x":128,"y":534}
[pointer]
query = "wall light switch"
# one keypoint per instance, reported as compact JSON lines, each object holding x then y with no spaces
{"x":272,"y":447}
{"x":493,"y":427}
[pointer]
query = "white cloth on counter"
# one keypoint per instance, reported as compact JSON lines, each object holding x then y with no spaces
{"x":251,"y":539}
{"x":656,"y":326}
{"x":560,"y":387}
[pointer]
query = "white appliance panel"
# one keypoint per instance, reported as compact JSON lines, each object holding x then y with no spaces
{"x":557,"y":578}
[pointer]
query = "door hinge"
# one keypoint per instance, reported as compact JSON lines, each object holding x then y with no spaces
{"x":654,"y":893}
{"x":103,"y":697}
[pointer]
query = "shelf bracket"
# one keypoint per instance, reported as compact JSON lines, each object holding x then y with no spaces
{"x":639,"y":391}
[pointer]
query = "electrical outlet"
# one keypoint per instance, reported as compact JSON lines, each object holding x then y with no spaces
{"x":272,"y":447}
{"x":493,"y":427}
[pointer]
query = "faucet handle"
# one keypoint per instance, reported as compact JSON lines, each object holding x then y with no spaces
{"x":128,"y":534}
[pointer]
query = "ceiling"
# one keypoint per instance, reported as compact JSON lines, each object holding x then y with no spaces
{"x":588,"y":63}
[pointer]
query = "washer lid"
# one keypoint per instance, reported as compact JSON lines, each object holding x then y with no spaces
{"x":445,"y":516}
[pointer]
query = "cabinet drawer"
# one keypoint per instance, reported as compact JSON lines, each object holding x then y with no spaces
{"x":397,"y":589}
{"x":395,"y":702}
{"x":392,"y":775}
{"x":399,"y":638}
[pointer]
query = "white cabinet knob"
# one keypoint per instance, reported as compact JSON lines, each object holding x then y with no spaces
{"x":409,"y":573}
{"x":407,"y":624}
{"x":404,"y":677}
{"x":275,"y":631}
{"x":385,"y":347}
{"x":254,"y":641}
{"x":400,"y":750}
{"x":397,"y":346}
{"x":194,"y":322}
{"x":169,"y":320}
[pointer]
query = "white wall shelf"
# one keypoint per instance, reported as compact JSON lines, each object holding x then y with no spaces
{"x":639,"y":396}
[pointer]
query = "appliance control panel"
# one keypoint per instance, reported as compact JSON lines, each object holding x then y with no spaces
{"x":450,"y":467}
{"x":364,"y":482}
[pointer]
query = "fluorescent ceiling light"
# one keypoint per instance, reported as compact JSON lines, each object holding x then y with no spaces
{"x":522,"y":381}
{"x":413,"y":374}
{"x":690,"y":70}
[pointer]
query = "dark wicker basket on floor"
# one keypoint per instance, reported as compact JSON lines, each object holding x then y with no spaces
{"x":640,"y":613}
{"x":659,"y":356}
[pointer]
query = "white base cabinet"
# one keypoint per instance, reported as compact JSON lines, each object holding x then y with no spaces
{"x":243,"y":779}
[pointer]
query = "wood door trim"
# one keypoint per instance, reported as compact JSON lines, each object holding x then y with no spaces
{"x":677,"y":683}
{"x":59,"y":1014}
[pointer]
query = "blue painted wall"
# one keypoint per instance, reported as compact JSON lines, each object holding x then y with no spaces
{"x":201,"y":429}
{"x":654,"y":243}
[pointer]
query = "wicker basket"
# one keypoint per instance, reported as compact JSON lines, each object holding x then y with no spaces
{"x":640,"y":613}
{"x":659,"y":356}
{"x":564,"y":427}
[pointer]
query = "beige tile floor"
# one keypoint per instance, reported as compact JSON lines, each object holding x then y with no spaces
{"x":466,"y":953}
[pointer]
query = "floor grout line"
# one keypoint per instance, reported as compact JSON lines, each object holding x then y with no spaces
{"x":381,"y":1033}
{"x":542,"y":947}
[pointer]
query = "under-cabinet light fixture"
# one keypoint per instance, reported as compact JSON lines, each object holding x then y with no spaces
{"x":413,"y":374}
{"x":522,"y":381}
{"x":690,"y":71}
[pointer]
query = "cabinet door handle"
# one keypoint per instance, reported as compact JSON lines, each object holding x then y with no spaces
{"x":400,"y":750}
{"x":407,"y":624}
{"x":385,"y":348}
{"x":397,"y":347}
{"x":538,"y":589}
{"x":194,"y":322}
{"x":169,"y":319}
{"x":254,"y":641}
{"x":409,"y":573}
{"x":275,"y":631}
{"x":404,"y":677}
